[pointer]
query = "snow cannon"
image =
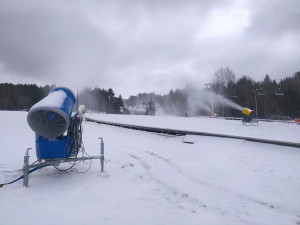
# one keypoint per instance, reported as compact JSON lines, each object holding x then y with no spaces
{"x":58,"y":134}
{"x":248,"y":112}
{"x":51,"y":116}
{"x":248,"y":116}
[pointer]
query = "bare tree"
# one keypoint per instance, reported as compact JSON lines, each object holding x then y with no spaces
{"x":223,"y":77}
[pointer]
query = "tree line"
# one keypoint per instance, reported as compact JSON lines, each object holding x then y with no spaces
{"x":101,"y":100}
{"x":277,"y":99}
{"x":23,"y":96}
{"x":269,"y":98}
{"x":272,"y":98}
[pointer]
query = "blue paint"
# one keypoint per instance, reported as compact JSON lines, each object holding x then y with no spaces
{"x":68,"y":102}
{"x":53,"y":149}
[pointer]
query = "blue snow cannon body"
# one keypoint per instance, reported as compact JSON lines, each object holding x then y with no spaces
{"x":50,"y":118}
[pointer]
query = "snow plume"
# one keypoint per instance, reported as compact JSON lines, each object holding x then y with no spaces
{"x":89,"y":100}
{"x":200,"y":102}
{"x":228,"y":102}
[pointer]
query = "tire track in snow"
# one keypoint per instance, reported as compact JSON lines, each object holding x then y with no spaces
{"x":181,"y":197}
{"x":271,"y":206}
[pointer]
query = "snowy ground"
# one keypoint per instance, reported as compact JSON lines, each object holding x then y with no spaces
{"x":154,"y":179}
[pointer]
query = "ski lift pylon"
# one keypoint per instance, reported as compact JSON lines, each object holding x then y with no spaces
{"x":261,"y":91}
{"x":234,"y":95}
{"x":278,"y":91}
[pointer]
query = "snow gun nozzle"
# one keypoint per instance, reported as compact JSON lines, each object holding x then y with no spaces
{"x":248,"y":112}
{"x":51,"y":116}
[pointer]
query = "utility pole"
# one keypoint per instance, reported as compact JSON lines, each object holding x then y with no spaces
{"x":209,"y":86}
{"x":256,"y":104}
{"x":259,"y":91}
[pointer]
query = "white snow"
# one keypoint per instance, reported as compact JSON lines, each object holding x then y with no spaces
{"x":54,"y":99}
{"x":155,"y":179}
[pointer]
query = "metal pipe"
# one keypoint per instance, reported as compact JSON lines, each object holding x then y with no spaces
{"x":212,"y":102}
{"x":102,"y":154}
{"x":58,"y":161}
{"x":26,"y":167}
{"x":256,"y":105}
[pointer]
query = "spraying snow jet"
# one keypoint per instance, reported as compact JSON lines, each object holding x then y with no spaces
{"x":205,"y":101}
{"x":197,"y":103}
{"x":228,"y":102}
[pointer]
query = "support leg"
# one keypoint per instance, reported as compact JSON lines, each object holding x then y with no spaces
{"x":26,"y":168}
{"x":102,"y":154}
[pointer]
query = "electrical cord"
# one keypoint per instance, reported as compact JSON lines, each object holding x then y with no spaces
{"x":21,"y":177}
{"x":75,"y":142}
{"x":84,"y":152}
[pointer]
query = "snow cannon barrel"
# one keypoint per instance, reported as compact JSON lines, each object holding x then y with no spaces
{"x":248,"y":112}
{"x":51,"y":116}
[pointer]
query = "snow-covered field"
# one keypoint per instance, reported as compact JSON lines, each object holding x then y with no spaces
{"x":156,"y":179}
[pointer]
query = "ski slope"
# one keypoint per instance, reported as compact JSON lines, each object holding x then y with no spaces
{"x":154,"y":179}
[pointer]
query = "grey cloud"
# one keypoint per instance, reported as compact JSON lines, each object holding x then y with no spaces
{"x":45,"y":39}
{"x":274,"y":18}
{"x":143,"y":45}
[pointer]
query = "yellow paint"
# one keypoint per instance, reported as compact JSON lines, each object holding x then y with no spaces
{"x":247,"y":111}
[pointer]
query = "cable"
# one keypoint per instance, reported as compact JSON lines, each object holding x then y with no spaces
{"x":21,"y":177}
{"x":87,"y":168}
{"x":84,"y":152}
{"x":56,"y":167}
{"x":74,"y":141}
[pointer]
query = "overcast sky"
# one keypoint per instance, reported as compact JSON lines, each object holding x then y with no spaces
{"x":146,"y":45}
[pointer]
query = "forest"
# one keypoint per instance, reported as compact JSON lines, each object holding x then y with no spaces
{"x":275,"y":99}
{"x":22,"y":96}
{"x":224,"y":96}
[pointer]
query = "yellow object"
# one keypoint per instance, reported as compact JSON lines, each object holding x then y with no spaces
{"x":248,"y":112}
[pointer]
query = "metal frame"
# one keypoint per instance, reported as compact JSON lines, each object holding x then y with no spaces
{"x":253,"y":122}
{"x":53,"y":162}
